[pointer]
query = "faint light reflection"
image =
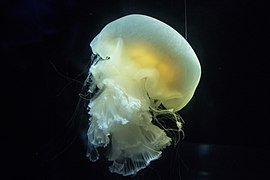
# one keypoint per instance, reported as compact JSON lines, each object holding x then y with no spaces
{"x":203,"y":149}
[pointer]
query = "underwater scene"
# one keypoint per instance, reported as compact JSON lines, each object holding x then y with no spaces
{"x":115,"y":89}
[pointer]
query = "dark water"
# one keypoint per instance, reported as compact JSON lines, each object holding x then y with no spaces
{"x":45,"y":43}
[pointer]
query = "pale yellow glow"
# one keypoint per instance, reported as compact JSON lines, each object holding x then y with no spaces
{"x":148,"y":58}
{"x":148,"y":64}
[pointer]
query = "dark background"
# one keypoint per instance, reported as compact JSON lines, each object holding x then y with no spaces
{"x":45,"y":54}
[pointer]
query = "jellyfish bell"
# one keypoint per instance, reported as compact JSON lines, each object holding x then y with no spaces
{"x":153,"y":46}
{"x":141,"y":64}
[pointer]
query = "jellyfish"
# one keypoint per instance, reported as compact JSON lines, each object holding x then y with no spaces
{"x":141,"y":67}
